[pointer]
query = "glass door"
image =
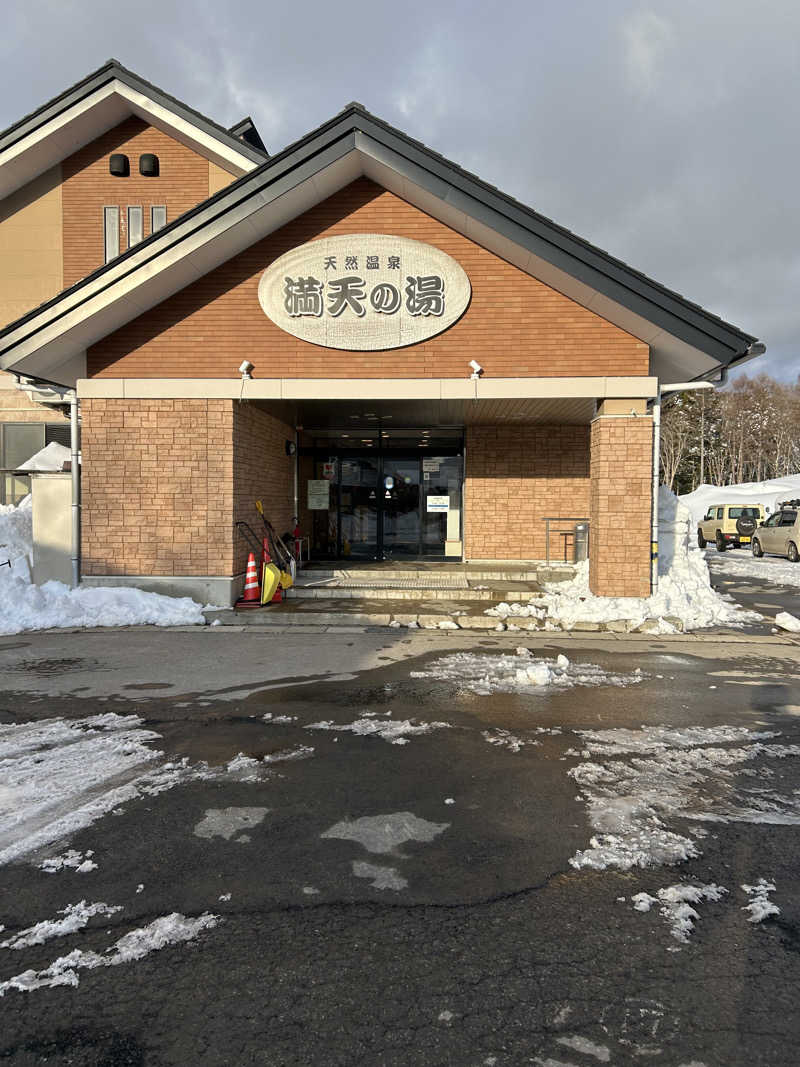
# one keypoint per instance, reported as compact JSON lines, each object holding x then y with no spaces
{"x":400,"y":507}
{"x":358,"y":507}
{"x":441,"y":508}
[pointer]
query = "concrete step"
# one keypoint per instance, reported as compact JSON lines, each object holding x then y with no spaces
{"x":347,"y":591}
{"x":456,"y":575}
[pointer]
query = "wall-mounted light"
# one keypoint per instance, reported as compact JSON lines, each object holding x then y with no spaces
{"x":290,"y":447}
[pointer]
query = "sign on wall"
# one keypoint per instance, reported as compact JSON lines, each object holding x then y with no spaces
{"x":319,"y":490}
{"x":364,"y":292}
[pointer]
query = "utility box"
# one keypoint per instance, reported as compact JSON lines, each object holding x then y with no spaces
{"x":581,"y":542}
{"x":51,"y":497}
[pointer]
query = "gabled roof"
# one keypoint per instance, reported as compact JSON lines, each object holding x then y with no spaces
{"x":685,"y":340}
{"x":246,"y":131}
{"x":97,"y":103}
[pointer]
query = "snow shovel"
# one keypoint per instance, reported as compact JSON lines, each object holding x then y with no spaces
{"x":279,"y":550}
{"x":270,"y":580}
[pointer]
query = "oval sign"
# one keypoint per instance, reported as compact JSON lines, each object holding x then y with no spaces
{"x":364,"y":292}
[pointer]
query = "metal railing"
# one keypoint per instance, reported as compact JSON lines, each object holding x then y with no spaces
{"x":565,"y":532}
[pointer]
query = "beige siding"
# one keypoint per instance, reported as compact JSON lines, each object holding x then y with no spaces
{"x":17,"y":406}
{"x":218,"y":178}
{"x":31,"y":260}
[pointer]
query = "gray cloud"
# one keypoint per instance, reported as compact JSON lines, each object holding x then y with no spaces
{"x":662,"y":131}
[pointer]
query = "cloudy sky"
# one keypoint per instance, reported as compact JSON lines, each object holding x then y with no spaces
{"x":663,"y":132}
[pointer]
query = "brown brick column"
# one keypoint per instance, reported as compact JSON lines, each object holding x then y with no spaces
{"x":620,"y":506}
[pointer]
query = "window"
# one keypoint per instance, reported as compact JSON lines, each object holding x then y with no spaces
{"x":18,"y":442}
{"x":111,"y":232}
{"x":788,"y":518}
{"x":158,"y":218}
{"x":710,"y":513}
{"x":134,"y":226}
{"x":774,"y":520}
{"x":720,"y":512}
{"x":743,"y":513}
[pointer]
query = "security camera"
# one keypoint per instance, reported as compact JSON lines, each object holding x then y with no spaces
{"x":246,"y":368}
{"x":477,"y":369}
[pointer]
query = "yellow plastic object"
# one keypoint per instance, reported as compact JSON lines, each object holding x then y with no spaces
{"x":287,"y":581}
{"x":269,"y":582}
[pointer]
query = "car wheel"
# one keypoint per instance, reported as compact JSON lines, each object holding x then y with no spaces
{"x":792,"y":553}
{"x":720,"y":542}
{"x":758,"y":551}
{"x":701,"y":541}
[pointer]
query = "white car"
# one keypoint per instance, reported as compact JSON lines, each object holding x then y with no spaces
{"x":779,"y":535}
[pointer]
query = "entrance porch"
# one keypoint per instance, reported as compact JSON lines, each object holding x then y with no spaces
{"x":393,"y":471}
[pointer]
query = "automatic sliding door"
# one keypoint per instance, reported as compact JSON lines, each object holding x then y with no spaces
{"x":400,"y":506}
{"x":358,"y":507}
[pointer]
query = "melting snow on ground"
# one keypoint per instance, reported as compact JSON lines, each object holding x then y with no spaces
{"x":167,"y":930}
{"x":505,"y":673}
{"x":81,"y":862}
{"x":505,"y":739}
{"x":75,"y":917}
{"x":658,"y":775}
{"x":741,"y":564}
{"x":675,"y":905}
{"x":760,"y":906}
{"x":684,"y":589}
{"x":395,"y":732}
{"x":24,"y":606}
{"x":59,"y":776}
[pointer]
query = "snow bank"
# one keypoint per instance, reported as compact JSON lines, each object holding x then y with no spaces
{"x":769,"y":493}
{"x":685,"y":599}
{"x":24,"y":606}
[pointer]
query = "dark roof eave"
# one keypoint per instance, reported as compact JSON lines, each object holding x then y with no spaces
{"x":733,"y":342}
{"x":110,"y":71}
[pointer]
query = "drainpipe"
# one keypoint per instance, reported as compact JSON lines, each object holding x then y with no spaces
{"x":76,"y":490}
{"x":656,"y":480}
{"x":296,"y":476}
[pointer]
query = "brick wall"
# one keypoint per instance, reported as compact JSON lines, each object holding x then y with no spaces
{"x":261,"y":471}
{"x":516,"y":475}
{"x":165,"y":480}
{"x":621,"y":493}
{"x":87,"y":187}
{"x":157,"y":487}
{"x":514,"y":326}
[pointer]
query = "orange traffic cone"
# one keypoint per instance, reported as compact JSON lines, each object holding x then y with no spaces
{"x":252,"y":590}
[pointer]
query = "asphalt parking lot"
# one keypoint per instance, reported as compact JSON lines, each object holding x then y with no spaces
{"x":404,"y":857}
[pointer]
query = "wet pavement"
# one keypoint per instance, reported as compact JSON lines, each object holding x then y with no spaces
{"x":415,"y":903}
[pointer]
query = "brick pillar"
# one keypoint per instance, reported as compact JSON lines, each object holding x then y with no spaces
{"x":621,"y":466}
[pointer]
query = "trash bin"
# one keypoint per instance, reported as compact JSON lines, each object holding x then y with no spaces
{"x":581,"y":542}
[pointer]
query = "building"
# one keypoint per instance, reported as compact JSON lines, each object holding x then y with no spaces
{"x":355,"y":330}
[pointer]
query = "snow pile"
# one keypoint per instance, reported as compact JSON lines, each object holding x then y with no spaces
{"x":769,"y":493}
{"x":395,"y":732}
{"x":684,"y":589}
{"x":16,"y":535}
{"x":760,"y":907}
{"x":485,"y":674}
{"x":50,"y":458}
{"x":676,"y":905}
{"x":171,"y":929}
{"x":76,"y":916}
{"x":81,"y":862}
{"x":662,"y":774}
{"x":24,"y":606}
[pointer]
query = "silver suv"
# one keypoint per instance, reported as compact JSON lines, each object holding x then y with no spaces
{"x":779,"y":535}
